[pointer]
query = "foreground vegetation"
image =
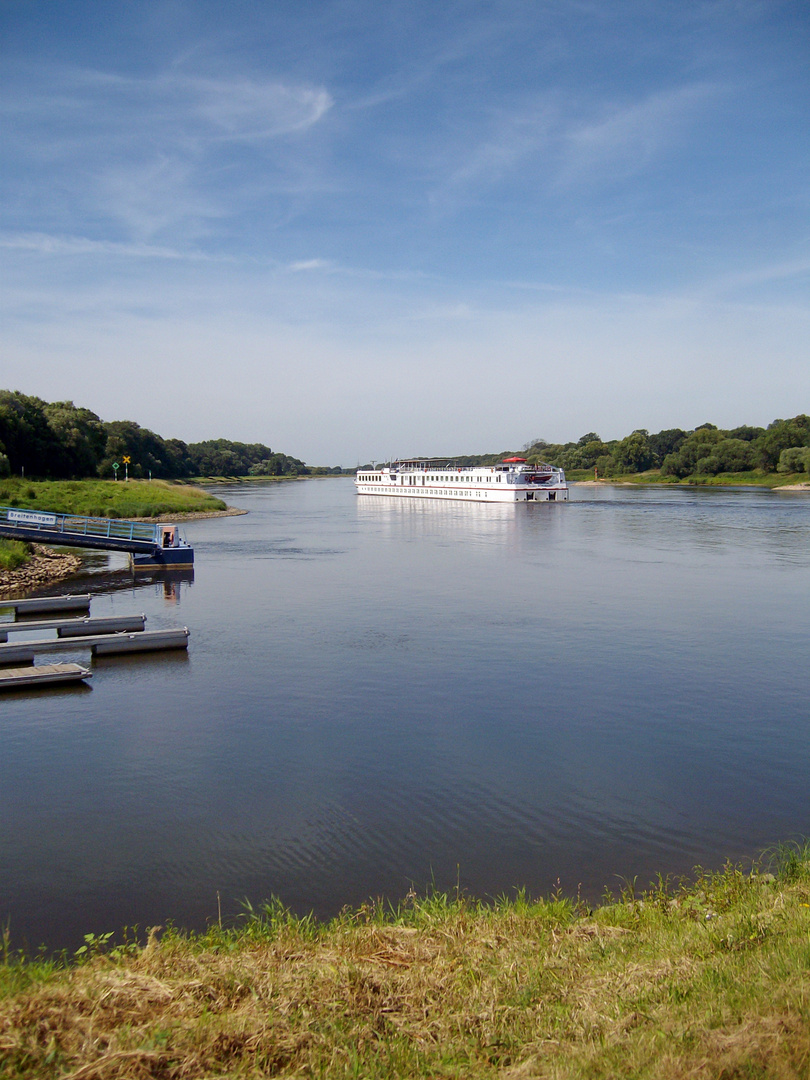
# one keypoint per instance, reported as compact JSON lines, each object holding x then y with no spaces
{"x":108,"y":498}
{"x":702,"y":979}
{"x":14,"y":554}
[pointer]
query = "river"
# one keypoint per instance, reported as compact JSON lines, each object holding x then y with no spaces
{"x":383,"y":695}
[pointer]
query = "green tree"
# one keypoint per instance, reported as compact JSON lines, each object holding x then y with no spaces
{"x":697,"y":446}
{"x":147,"y":451}
{"x":734,"y":455}
{"x":746,"y":432}
{"x":29,"y":443}
{"x":666,"y":442}
{"x":795,"y":459}
{"x":633,"y":453}
{"x":782,"y":435}
{"x":81,"y":438}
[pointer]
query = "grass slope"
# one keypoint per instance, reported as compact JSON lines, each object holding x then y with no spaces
{"x":705,"y":979}
{"x":754,"y":478}
{"x":107,"y":498}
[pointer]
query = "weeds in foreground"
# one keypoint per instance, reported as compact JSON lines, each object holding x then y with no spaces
{"x":701,"y":978}
{"x":13,"y":554}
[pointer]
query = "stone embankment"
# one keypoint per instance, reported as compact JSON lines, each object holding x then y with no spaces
{"x":44,"y":568}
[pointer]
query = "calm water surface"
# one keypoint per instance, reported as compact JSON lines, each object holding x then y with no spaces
{"x":384,"y":694}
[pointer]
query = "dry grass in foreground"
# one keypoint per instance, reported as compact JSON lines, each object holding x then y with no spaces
{"x":707,"y":979}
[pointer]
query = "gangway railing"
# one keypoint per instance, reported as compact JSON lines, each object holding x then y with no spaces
{"x":79,"y":530}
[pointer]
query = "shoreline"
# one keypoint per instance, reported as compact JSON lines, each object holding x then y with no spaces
{"x":621,"y":482}
{"x":45,"y":567}
{"x":193,"y":515}
{"x":698,"y":977}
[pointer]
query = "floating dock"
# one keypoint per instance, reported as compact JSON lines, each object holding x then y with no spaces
{"x":23,"y":678}
{"x":150,"y":545}
{"x":75,"y":627}
{"x":99,"y":644}
{"x":101,"y":637}
{"x":39,"y":605}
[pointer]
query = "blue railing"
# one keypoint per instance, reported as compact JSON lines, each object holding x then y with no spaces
{"x":79,"y":525}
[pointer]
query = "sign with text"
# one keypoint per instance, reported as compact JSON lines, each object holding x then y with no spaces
{"x":30,"y":517}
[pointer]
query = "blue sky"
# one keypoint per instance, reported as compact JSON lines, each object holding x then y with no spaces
{"x":352,"y":230}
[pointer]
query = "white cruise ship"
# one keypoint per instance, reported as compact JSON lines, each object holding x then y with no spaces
{"x":511,"y":480}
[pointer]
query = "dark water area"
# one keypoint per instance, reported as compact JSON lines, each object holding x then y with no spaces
{"x":381,"y":695}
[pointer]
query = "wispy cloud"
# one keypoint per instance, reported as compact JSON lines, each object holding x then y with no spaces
{"x":204,"y":108}
{"x":248,"y":110}
{"x":164,"y":157}
{"x":311,"y":264}
{"x":565,"y":141}
{"x":45,"y":244}
{"x":785,"y":272}
{"x":625,"y":138}
{"x":510,"y":140}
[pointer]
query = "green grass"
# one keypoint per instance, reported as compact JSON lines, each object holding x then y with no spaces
{"x":14,"y":554}
{"x":108,"y":498}
{"x":706,"y":978}
{"x":754,"y":478}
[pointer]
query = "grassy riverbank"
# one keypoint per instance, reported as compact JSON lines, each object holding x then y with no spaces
{"x":754,"y":478}
{"x":705,"y":979}
{"x":108,"y":498}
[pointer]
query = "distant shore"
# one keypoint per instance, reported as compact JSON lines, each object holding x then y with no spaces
{"x":646,"y":479}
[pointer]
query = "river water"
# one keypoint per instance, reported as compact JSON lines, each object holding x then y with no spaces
{"x":380,"y":695}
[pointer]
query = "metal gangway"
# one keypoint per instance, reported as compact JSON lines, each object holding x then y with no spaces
{"x":140,"y":538}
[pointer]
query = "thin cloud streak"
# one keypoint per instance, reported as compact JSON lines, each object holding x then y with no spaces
{"x":629,"y":137}
{"x":45,"y":244}
{"x":203,"y":109}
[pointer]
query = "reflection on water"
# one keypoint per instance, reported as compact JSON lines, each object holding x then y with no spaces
{"x":381,"y":693}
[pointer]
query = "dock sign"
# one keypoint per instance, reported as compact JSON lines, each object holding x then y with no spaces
{"x":29,"y":517}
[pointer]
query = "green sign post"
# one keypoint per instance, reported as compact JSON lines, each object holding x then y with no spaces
{"x":116,"y":467}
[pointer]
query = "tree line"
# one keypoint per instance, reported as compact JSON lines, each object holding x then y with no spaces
{"x":58,"y":441}
{"x":783,"y":446}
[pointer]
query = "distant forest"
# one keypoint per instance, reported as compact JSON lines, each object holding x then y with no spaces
{"x":783,"y":446}
{"x":59,"y":441}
